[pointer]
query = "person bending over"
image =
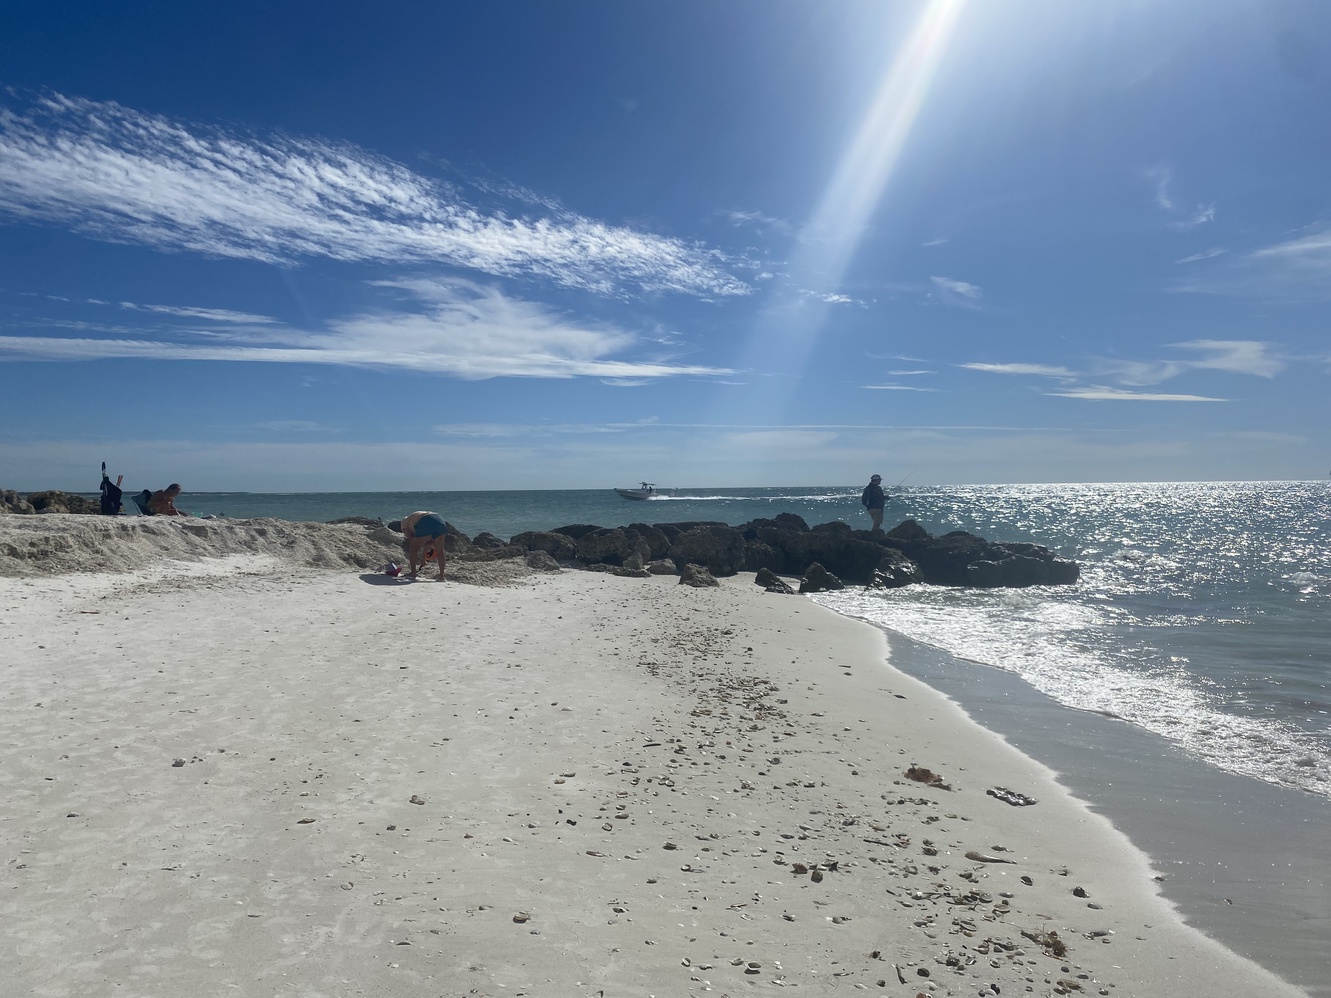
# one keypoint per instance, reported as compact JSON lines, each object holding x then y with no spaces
{"x":425,"y":533}
{"x":163,"y":503}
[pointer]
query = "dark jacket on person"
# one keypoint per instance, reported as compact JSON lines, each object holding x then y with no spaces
{"x":874,"y":497}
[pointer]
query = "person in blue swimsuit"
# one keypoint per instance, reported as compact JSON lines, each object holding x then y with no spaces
{"x":425,"y":533}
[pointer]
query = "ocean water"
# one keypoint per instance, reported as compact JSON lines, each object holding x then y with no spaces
{"x":1203,"y":614}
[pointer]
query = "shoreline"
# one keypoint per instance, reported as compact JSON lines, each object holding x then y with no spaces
{"x":562,"y":733}
{"x":1233,"y":851}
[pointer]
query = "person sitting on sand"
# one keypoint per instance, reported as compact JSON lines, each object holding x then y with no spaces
{"x":425,"y":534}
{"x":163,"y":503}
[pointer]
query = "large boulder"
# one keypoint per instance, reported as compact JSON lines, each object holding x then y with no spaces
{"x":658,"y":544}
{"x":772,"y":582}
{"x":817,"y":579}
{"x":576,"y":530}
{"x":1021,"y":570}
{"x":720,"y":549}
{"x":663,"y":566}
{"x":12,"y":502}
{"x":542,"y":561}
{"x":485,"y":539}
{"x":55,"y":501}
{"x":759,"y":557}
{"x":610,"y":546}
{"x":893,"y":571}
{"x":697,"y":576}
{"x":847,"y":554}
{"x":962,"y":559}
{"x":560,"y":546}
{"x":673,"y":530}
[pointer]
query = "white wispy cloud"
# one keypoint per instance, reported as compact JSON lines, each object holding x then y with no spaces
{"x":898,"y":388}
{"x":1293,"y":270}
{"x":1209,"y":254}
{"x":296,"y":426}
{"x":1041,"y":370}
{"x":1203,"y":214}
{"x":758,"y":219}
{"x":954,"y":292}
{"x":223,"y":315}
{"x":117,"y":174}
{"x":455,"y":328}
{"x":1160,"y":177}
{"x":1251,"y":357}
{"x":1098,"y":393}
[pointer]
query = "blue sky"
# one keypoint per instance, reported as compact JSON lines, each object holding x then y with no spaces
{"x":342,"y":246}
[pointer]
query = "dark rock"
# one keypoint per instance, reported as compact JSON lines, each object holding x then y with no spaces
{"x":542,"y":561}
{"x":664,"y":566}
{"x":720,"y":549}
{"x":907,"y":530}
{"x":55,"y":501}
{"x":835,"y":527}
{"x":765,"y":577}
{"x":893,"y":571}
{"x":610,"y":546}
{"x":673,"y":530}
{"x":790,"y":521}
{"x":576,"y":530}
{"x":819,"y":580}
{"x":12,"y":502}
{"x":485,"y":539}
{"x":658,"y":544}
{"x":697,"y":576}
{"x":631,"y":573}
{"x":360,"y":521}
{"x":846,"y":554}
{"x":635,"y":561}
{"x":759,"y":556}
{"x":1020,"y":571}
{"x":455,"y":541}
{"x":779,"y":586}
{"x":561,"y":546}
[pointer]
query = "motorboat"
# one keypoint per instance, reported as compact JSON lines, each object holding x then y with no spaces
{"x":646,"y":490}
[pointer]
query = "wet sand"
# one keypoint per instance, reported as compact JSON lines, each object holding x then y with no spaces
{"x":246,"y":777}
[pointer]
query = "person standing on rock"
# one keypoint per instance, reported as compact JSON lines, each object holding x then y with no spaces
{"x":874,"y":499}
{"x":425,"y":533}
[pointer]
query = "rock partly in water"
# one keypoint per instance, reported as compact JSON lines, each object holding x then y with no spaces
{"x":893,"y":571}
{"x":817,"y":579}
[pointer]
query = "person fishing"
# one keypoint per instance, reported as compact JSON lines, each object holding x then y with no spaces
{"x":874,"y":499}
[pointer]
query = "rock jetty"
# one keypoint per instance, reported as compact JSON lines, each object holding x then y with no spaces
{"x":826,"y":556}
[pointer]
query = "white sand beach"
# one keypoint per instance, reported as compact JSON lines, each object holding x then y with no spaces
{"x":274,"y":772}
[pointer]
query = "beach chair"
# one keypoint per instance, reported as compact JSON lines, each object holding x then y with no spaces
{"x":141,"y":501}
{"x":110,"y":503}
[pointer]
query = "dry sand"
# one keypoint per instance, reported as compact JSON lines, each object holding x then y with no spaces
{"x":243,"y":776}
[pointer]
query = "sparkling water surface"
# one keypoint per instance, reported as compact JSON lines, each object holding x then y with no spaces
{"x":1203,"y":612}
